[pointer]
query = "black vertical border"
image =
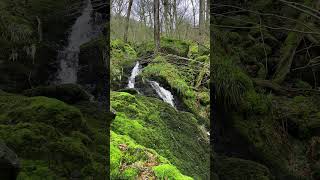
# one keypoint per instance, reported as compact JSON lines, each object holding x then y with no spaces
{"x":212,"y":94}
{"x":106,"y":60}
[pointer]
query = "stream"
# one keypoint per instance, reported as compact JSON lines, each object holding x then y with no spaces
{"x":163,"y":93}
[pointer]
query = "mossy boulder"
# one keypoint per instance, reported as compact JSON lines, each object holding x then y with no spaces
{"x":54,"y":139}
{"x":9,"y":162}
{"x":69,"y":93}
{"x":162,"y":70}
{"x":154,"y":124}
{"x":301,"y":114}
{"x":174,"y":46}
{"x":240,"y":169}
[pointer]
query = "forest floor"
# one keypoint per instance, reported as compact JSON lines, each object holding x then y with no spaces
{"x":160,"y":125}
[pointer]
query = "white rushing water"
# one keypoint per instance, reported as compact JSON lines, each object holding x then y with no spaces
{"x":164,"y":94}
{"x":81,"y":33}
{"x":135,"y":71}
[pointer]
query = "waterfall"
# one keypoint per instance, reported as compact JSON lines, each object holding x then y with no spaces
{"x":135,"y":71}
{"x":82,"y":32}
{"x":164,"y":94}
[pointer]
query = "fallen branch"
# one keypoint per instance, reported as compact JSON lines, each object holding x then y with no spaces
{"x":280,"y":90}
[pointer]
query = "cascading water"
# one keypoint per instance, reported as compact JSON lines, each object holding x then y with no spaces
{"x":164,"y":94}
{"x":134,"y":73}
{"x":82,"y":32}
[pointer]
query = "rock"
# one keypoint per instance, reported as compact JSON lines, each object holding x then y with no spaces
{"x":238,"y":169}
{"x":69,"y":93}
{"x":129,"y":90}
{"x":92,"y":72}
{"x":9,"y":163}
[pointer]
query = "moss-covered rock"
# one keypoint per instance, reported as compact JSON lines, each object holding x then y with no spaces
{"x":92,"y":72}
{"x":240,"y":169}
{"x":173,"y":46}
{"x":53,"y":139}
{"x":156,"y":125}
{"x":130,"y":160}
{"x":301,"y":114}
{"x":27,"y":56}
{"x":69,"y":93}
{"x":167,"y":73}
{"x":123,"y":58}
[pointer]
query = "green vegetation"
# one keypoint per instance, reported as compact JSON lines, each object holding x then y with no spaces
{"x":155,"y":125}
{"x":53,"y":139}
{"x":234,"y":168}
{"x":265,"y":75}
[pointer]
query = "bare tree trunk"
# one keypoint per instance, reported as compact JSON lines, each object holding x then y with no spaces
{"x":166,"y":16}
{"x":125,"y":36}
{"x":208,"y":13}
{"x":201,"y":14}
{"x":175,"y":14}
{"x":143,"y":10}
{"x":156,"y":6}
{"x":194,"y":13}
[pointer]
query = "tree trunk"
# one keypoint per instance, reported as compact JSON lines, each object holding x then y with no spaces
{"x":208,"y":14}
{"x":165,"y":4}
{"x":156,"y":6}
{"x":125,"y":36}
{"x":193,"y":13}
{"x":175,"y":15}
{"x":201,"y":13}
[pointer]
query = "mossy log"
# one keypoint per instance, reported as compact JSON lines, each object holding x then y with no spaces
{"x":288,"y":50}
{"x":277,"y":89}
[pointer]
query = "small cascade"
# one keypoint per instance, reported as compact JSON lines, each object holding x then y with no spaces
{"x":135,"y":71}
{"x":82,"y":32}
{"x":164,"y":94}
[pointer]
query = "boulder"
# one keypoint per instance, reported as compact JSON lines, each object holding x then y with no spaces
{"x":9,"y":163}
{"x":69,"y":93}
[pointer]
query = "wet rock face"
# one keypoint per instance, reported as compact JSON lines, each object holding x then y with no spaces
{"x":9,"y":163}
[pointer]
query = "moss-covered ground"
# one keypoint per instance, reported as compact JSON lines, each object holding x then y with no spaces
{"x":150,"y":138}
{"x":52,"y":139}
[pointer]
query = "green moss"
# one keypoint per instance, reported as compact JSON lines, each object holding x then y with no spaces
{"x":267,"y":144}
{"x":129,"y":159}
{"x":123,"y":56}
{"x":168,"y":171}
{"x":301,"y":112}
{"x":238,"y":169}
{"x":256,"y":103}
{"x":161,"y":68}
{"x":230,"y":82}
{"x":193,"y":50}
{"x":155,"y":124}
{"x":40,"y":109}
{"x":36,"y":170}
{"x":302,"y":84}
{"x":130,"y":173}
{"x":69,"y":93}
{"x":41,"y":129}
{"x":174,"y":46}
